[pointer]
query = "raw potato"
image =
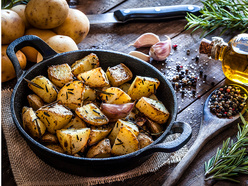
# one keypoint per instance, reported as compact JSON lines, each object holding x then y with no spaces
{"x":20,"y":10}
{"x":71,"y":95}
{"x":101,"y":150}
{"x":119,"y":74}
{"x":59,"y":44}
{"x":143,"y":86}
{"x":8,"y":71}
{"x":46,"y":14}
{"x":94,"y":78}
{"x":54,"y":116}
{"x":155,"y":110}
{"x":45,"y":89}
{"x":87,"y":63}
{"x":35,"y":101}
{"x":91,"y":114}
{"x":12,"y":26}
{"x":30,"y":52}
{"x":97,"y":135}
{"x":76,"y":123}
{"x":126,"y":142}
{"x":115,"y":96}
{"x":75,"y":26}
{"x":60,"y":74}
{"x":73,"y":140}
{"x":32,"y":124}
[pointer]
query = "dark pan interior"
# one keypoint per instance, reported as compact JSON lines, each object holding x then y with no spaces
{"x":165,"y":93}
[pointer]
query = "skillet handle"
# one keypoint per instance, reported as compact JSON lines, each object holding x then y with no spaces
{"x":171,"y":146}
{"x":28,"y":40}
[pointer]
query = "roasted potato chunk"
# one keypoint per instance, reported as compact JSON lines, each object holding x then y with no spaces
{"x":44,"y":88}
{"x":60,"y":74}
{"x":89,"y":94}
{"x":49,"y":138}
{"x":76,"y":123}
{"x":115,"y":95}
{"x":101,"y":150}
{"x":142,"y":87}
{"x":119,"y":74}
{"x":126,"y":142}
{"x":56,"y":148}
{"x":91,"y":114}
{"x":125,"y":87}
{"x":94,"y":78}
{"x":144,"y":140}
{"x":155,"y":110}
{"x":97,"y":135}
{"x":73,"y":140}
{"x":112,"y":136}
{"x":32,"y":124}
{"x":71,"y":94}
{"x":154,"y":127}
{"x":54,"y":116}
{"x":87,"y":63}
{"x":35,"y":101}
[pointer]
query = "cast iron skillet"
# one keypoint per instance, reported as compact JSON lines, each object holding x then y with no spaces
{"x":90,"y":166}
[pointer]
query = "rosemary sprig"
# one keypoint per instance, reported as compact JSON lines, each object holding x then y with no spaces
{"x":229,"y":14}
{"x":231,"y":159}
{"x":6,"y":4}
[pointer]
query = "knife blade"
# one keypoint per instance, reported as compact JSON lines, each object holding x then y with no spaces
{"x":146,"y":14}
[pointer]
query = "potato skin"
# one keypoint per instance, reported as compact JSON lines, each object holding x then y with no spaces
{"x":8,"y":71}
{"x":46,"y":14}
{"x":75,"y":26}
{"x":12,"y":26}
{"x":20,"y":10}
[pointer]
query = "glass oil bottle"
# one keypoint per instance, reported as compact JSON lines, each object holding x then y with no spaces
{"x":233,"y":55}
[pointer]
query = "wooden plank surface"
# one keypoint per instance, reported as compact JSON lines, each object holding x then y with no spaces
{"x":118,"y":37}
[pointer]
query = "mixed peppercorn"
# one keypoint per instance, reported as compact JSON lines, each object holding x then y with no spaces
{"x":227,"y":101}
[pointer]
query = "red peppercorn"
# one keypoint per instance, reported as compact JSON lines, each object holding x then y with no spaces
{"x":228,"y":90}
{"x":174,"y":47}
{"x":225,"y":112}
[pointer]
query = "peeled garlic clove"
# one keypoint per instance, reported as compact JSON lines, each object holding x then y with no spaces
{"x":161,"y":50}
{"x":146,"y":40}
{"x":140,"y":55}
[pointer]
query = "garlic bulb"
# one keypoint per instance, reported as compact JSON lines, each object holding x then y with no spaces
{"x":146,"y":40}
{"x":161,"y":50}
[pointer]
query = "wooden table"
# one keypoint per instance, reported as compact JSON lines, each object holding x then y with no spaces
{"x":118,"y":37}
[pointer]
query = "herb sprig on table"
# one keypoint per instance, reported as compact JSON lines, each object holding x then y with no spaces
{"x":231,"y":159}
{"x":231,"y":15}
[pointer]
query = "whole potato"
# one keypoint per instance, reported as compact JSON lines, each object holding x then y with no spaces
{"x":20,"y":10}
{"x":75,"y":26}
{"x":46,"y":14}
{"x":8,"y":71}
{"x":13,"y":26}
{"x":30,"y":52}
{"x":60,"y":44}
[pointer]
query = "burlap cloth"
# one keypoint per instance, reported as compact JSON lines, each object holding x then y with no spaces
{"x":28,"y":169}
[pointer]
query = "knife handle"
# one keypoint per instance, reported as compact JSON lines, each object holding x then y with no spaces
{"x":156,"y":13}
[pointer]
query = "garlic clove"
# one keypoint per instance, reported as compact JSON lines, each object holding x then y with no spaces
{"x":161,"y":50}
{"x":140,"y":55}
{"x":146,"y":40}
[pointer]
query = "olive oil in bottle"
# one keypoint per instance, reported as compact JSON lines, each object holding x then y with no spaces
{"x":233,"y":55}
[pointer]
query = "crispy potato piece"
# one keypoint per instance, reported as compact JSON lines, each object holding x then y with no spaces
{"x":56,"y":148}
{"x":119,"y":74}
{"x":89,"y":94}
{"x":24,"y":109}
{"x":153,"y":96}
{"x":126,"y":142}
{"x":155,"y":110}
{"x":154,"y":127}
{"x":60,"y":74}
{"x":73,"y":140}
{"x":54,"y":116}
{"x":101,"y":150}
{"x":94,"y":78}
{"x":49,"y":138}
{"x":43,"y":88}
{"x":97,"y":135}
{"x":91,"y":114}
{"x":71,"y":94}
{"x":32,"y":124}
{"x":87,"y":63}
{"x":125,"y":87}
{"x":76,"y":123}
{"x":35,"y":101}
{"x":144,"y":140}
{"x":142,"y":86}
{"x":115,"y":96}
{"x":112,"y":136}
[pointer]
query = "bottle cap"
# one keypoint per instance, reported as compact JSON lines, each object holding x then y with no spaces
{"x":206,"y":47}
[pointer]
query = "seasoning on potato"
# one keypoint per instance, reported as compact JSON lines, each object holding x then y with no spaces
{"x":91,"y":117}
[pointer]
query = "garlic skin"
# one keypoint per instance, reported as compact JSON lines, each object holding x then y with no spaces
{"x":140,"y":55}
{"x":146,"y":40}
{"x":161,"y":50}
